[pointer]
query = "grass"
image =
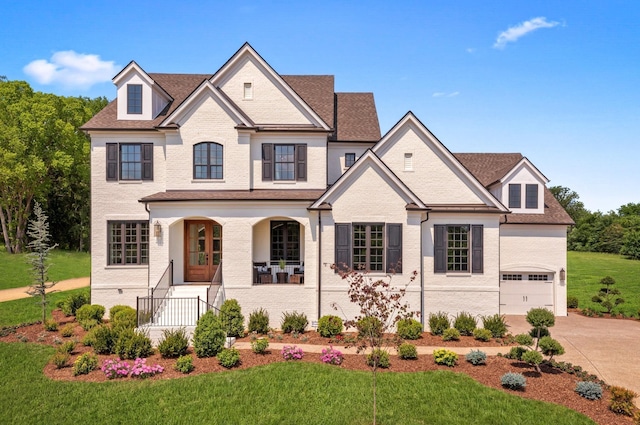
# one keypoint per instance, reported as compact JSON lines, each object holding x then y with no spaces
{"x":25,"y":310}
{"x":63,"y":265}
{"x":585,"y":269}
{"x":280,"y":393}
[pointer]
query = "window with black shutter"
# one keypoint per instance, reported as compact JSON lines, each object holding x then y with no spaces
{"x":282,"y":162}
{"x":375,"y":247}
{"x":129,"y":161}
{"x":458,"y":248}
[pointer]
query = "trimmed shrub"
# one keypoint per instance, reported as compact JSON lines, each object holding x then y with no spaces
{"x":115,"y":309}
{"x":476,"y":357}
{"x":294,"y":322}
{"x":51,"y":325}
{"x":438,"y":322}
{"x":516,"y":353}
{"x":482,"y":334}
{"x":209,"y":336}
{"x":332,"y":356}
{"x":496,"y":324}
{"x":67,"y":347}
{"x":84,"y":364}
{"x":407,"y":351}
{"x":532,"y":357}
{"x":572,"y":302}
{"x":102,"y":339}
{"x":184,"y":364}
{"x":72,"y":303}
{"x":68,"y":330}
{"x":60,"y":359}
{"x":539,"y":332}
{"x":589,"y":390}
{"x":540,"y":318}
{"x":369,"y":327}
{"x":260,"y":345}
{"x":174,"y":343}
{"x":550,"y":347}
{"x":259,"y":321}
{"x":378,"y":357}
{"x":232,"y":318}
{"x":445,"y":357}
{"x":132,"y":344}
{"x":451,"y":334}
{"x":524,"y":339}
{"x":465,"y":323}
{"x":513,"y":381}
{"x":228,"y":357}
{"x":329,"y":326}
{"x":409,"y":329}
{"x":622,"y":401}
{"x":90,"y":312}
{"x":125,"y":318}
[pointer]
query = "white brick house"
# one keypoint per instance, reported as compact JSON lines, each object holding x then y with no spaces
{"x":217,"y":178}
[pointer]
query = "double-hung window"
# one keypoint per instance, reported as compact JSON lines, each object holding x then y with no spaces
{"x":375,"y":247}
{"x":531,"y":196}
{"x":128,"y":242}
{"x":349,"y":159}
{"x":134,"y":98}
{"x":207,"y":161}
{"x":129,"y":161}
{"x":284,"y":162}
{"x":514,"y":196}
{"x":458,"y":248}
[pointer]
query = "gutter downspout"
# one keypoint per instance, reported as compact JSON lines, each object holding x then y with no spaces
{"x":422,"y":273}
{"x":319,"y":261}
{"x":146,"y":207}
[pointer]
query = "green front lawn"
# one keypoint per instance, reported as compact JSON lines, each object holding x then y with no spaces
{"x":280,"y":393}
{"x":26,"y":310}
{"x":585,"y":269}
{"x":63,"y":265}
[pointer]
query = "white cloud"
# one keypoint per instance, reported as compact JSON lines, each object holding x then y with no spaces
{"x":72,"y":69}
{"x":512,"y":34}
{"x":471,"y":50}
{"x":441,"y":94}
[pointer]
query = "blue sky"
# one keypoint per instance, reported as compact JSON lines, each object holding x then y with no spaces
{"x":557,"y":81}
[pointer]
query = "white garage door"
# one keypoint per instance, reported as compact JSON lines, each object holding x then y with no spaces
{"x":520,"y":292}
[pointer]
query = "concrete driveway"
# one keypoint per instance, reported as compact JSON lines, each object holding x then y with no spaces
{"x":609,"y":348}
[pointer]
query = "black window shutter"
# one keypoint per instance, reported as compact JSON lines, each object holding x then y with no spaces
{"x":343,"y":246}
{"x":267,"y":161}
{"x":394,"y":248}
{"x":531,"y":196}
{"x":477,"y":256}
{"x":147,"y":161}
{"x":112,"y":161}
{"x":301,"y":162}
{"x":439,"y":248}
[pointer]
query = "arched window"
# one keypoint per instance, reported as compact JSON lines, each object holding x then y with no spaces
{"x":207,"y":161}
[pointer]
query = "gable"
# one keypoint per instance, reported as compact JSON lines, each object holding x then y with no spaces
{"x":420,"y":160}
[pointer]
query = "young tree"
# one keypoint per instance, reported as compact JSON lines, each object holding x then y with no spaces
{"x":538,"y":341}
{"x":381,"y":307}
{"x":608,"y":297}
{"x":40,"y":247}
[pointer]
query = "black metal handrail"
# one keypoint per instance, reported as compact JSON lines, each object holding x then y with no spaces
{"x":172,"y":311}
{"x":215,"y":286}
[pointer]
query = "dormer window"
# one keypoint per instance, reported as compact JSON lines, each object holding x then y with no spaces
{"x":531,"y":196}
{"x":514,"y":196}
{"x":134,"y":98}
{"x":248,"y":91}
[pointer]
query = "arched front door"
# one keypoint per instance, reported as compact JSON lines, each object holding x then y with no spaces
{"x":203,"y":249}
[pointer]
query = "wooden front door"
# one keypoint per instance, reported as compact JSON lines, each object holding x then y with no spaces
{"x":203,"y":250}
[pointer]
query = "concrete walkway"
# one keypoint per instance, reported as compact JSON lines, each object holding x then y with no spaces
{"x":63,"y":285}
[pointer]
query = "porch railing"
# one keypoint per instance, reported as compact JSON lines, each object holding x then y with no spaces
{"x":164,"y":284}
{"x":173,"y":312}
{"x":215,"y":287}
{"x":149,"y":306}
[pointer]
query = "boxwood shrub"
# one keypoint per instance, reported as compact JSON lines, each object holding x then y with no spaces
{"x":409,"y":329}
{"x":329,"y":326}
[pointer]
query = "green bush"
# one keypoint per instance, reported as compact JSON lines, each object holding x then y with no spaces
{"x":445,"y":357}
{"x":73,"y":302}
{"x":482,"y":334}
{"x":329,"y":326}
{"x":524,"y":339}
{"x":51,"y":325}
{"x":132,"y":344}
{"x":60,"y":359}
{"x":369,"y":327}
{"x":540,"y":318}
{"x":184,"y":364}
{"x":516,"y":353}
{"x":89,"y":324}
{"x":379,"y":358}
{"x":409,"y":329}
{"x":228,"y":357}
{"x":407,"y":351}
{"x":67,"y":347}
{"x":572,"y":302}
{"x":90,"y":312}
{"x":260,"y":345}
{"x":294,"y":322}
{"x":465,"y":323}
{"x":621,"y":401}
{"x":438,"y":322}
{"x":102,"y":338}
{"x":232,"y":318}
{"x":85,"y":364}
{"x":209,"y":336}
{"x":513,"y":381}
{"x":539,"y":332}
{"x":496,"y":324}
{"x":68,"y":330}
{"x":589,"y":390}
{"x":259,"y":321}
{"x":173,"y":343}
{"x":476,"y":357}
{"x":451,"y":334}
{"x":125,"y":318}
{"x":532,"y":357}
{"x":550,"y":347}
{"x":116,"y":308}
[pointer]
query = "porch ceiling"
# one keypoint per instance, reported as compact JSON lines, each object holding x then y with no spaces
{"x":235,"y":195}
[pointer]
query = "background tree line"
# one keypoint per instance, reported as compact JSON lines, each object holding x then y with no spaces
{"x":44,"y":157}
{"x":616,"y":232}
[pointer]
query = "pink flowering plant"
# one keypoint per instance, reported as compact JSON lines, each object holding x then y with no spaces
{"x":331,"y":356}
{"x":115,"y":369}
{"x":120,"y":369}
{"x":140,"y":369}
{"x":292,"y":352}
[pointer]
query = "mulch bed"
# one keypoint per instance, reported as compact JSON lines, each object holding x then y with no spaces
{"x":552,"y":385}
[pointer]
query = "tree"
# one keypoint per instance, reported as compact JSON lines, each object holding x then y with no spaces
{"x":538,"y":341}
{"x":631,"y":245}
{"x":40,"y":247}
{"x":569,"y":201}
{"x":607,"y":296}
{"x":629,"y":209}
{"x":381,"y":307}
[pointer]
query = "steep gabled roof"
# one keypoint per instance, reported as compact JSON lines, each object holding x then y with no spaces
{"x":356,"y":118}
{"x":317,"y":91}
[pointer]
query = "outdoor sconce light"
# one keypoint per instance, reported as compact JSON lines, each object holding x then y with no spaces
{"x":563,"y":275}
{"x":157,"y":229}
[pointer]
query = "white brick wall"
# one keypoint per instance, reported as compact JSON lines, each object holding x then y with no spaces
{"x":335,"y":157}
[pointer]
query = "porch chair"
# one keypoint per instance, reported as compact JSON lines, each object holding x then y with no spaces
{"x":261,"y":272}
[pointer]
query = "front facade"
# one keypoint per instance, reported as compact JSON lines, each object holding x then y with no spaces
{"x":258,"y":182}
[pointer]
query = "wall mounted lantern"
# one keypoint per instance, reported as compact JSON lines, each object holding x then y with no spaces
{"x":157,"y":229}
{"x":563,"y":275}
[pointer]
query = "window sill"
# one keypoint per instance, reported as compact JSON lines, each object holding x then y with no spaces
{"x":284,"y":182}
{"x":130,"y":181}
{"x":207,"y":181}
{"x":126,"y":267}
